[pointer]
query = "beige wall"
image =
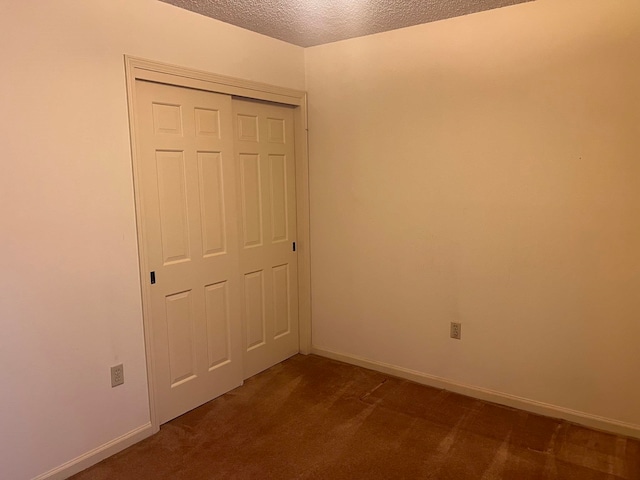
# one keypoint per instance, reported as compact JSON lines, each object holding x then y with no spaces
{"x":485,"y":170}
{"x":69,"y":289}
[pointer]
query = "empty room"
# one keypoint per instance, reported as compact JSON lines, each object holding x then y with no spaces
{"x":304,"y":239}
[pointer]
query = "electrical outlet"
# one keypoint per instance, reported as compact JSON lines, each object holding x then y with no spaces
{"x":117,"y":375}
{"x":456,"y":330}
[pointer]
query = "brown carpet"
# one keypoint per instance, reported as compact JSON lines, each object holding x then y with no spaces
{"x":313,"y":418}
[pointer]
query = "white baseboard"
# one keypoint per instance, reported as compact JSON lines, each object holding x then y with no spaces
{"x":582,"y":418}
{"x":98,"y":454}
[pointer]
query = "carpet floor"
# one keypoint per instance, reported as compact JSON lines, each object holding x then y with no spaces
{"x":314,"y":418}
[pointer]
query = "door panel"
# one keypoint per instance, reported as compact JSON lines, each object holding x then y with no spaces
{"x":251,"y":188}
{"x":281,"y":300}
{"x":264,"y":148}
{"x":187,"y":185}
{"x":279,"y":207}
{"x":212,"y":203}
{"x":172,"y":202}
{"x":254,"y":313}
{"x":181,"y":330}
{"x":218,"y":324}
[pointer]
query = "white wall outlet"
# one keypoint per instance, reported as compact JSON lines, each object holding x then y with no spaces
{"x":117,"y":375}
{"x":456,"y":330}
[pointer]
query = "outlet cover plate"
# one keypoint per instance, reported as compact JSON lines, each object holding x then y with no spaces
{"x":456,"y":330}
{"x":117,"y":375}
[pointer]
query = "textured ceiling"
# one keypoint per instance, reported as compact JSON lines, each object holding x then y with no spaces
{"x":314,"y":22}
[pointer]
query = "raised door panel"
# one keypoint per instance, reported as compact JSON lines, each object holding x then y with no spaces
{"x":181,"y":334}
{"x":218,"y":326}
{"x":254,"y":311}
{"x":279,"y":208}
{"x":207,"y":122}
{"x":172,"y":203}
{"x":281,"y":300}
{"x":212,"y":203}
{"x":251,"y":190}
{"x":167,"y":118}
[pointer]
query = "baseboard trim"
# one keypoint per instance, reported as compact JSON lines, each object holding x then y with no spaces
{"x":541,"y":408}
{"x":98,"y":454}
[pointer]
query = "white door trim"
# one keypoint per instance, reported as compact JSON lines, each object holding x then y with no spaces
{"x":141,"y":69}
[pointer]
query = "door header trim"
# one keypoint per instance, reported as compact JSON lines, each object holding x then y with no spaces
{"x":142,"y":69}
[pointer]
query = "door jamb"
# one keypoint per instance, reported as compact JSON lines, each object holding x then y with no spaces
{"x":141,"y":69}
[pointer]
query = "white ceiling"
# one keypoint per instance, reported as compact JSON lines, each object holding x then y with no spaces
{"x":314,"y":22}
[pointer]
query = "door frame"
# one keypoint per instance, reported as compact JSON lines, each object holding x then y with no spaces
{"x":142,"y":69}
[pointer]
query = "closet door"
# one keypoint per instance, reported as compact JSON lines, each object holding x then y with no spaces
{"x":264,"y":150}
{"x":187,"y":186}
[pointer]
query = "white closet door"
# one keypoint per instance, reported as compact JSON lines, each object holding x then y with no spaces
{"x":265,"y":166}
{"x":187,"y":186}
